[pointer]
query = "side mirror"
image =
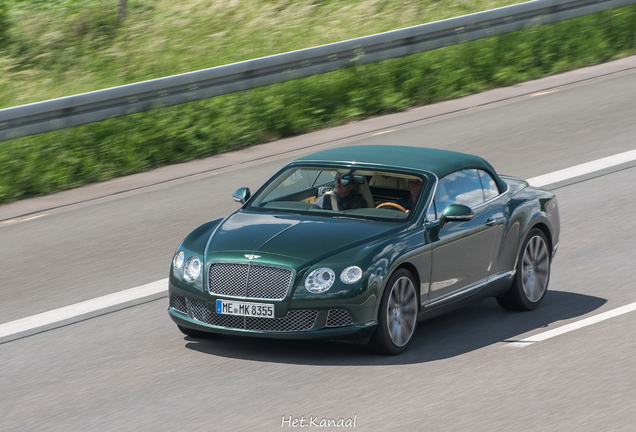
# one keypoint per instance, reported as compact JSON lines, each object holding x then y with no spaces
{"x":455,"y":213}
{"x":242,"y":195}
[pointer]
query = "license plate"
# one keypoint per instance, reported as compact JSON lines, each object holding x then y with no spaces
{"x":260,"y":310}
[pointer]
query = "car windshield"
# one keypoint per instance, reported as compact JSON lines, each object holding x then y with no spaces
{"x":342,"y":192}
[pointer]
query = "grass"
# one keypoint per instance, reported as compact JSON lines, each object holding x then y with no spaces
{"x":63,"y":47}
{"x":58,"y":160}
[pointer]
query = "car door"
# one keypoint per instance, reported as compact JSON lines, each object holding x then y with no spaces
{"x":462,"y":252}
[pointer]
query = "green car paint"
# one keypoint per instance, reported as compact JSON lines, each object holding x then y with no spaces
{"x":460,"y":257}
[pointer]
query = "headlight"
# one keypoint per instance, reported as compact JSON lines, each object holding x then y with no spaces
{"x":178,"y":260}
{"x":192,"y":269}
{"x":320,"y":280}
{"x":351,"y":274}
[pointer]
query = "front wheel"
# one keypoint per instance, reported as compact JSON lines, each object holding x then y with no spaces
{"x":397,"y":316}
{"x":533,"y":274}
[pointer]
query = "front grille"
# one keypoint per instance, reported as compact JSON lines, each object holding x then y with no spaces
{"x":295,"y":320}
{"x":179,"y":303}
{"x":229,"y":279}
{"x":338,"y":318}
{"x":249,"y":280}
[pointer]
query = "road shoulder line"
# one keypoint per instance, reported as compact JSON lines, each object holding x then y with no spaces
{"x":23,"y":326}
{"x":572,"y":326}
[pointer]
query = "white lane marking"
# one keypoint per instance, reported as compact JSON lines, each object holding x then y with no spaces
{"x":12,"y":221}
{"x":572,"y":326}
{"x":67,"y":312}
{"x":77,"y":309}
{"x":544,"y":92}
{"x":33,"y":217}
{"x":586,"y":168}
{"x":383,"y":132}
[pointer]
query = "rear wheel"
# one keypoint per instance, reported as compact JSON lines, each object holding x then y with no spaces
{"x":532,"y":276}
{"x":397,"y":316}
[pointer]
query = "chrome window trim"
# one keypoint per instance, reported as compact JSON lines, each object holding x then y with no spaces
{"x":432,"y":198}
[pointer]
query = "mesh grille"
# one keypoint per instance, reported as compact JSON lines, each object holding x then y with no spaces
{"x":179,"y":303}
{"x":338,"y":318}
{"x":294,"y":321}
{"x":229,"y":279}
{"x":247,"y":280}
{"x":268,"y":282}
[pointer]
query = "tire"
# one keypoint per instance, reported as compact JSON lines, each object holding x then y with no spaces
{"x":194,"y":333}
{"x":533,"y":274}
{"x":397,"y":315}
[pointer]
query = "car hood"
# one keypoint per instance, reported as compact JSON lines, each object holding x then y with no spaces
{"x":304,"y":238}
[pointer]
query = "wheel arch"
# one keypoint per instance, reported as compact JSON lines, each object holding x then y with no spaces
{"x":411,"y":269}
{"x":515,"y":298}
{"x":548,"y":235}
{"x":385,"y":281}
{"x":545,"y":229}
{"x":382,"y":340}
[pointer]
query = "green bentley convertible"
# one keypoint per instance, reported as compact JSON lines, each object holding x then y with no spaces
{"x":362,"y":243}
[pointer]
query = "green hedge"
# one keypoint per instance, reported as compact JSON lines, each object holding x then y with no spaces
{"x":4,"y":23}
{"x":59,"y":160}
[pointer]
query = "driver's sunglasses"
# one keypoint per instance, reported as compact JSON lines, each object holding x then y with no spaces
{"x":345,"y":179}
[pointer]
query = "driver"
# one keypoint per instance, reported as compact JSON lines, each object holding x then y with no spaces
{"x":345,"y":193}
{"x":414,"y":187}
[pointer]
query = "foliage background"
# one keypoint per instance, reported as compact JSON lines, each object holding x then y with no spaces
{"x":63,"y":159}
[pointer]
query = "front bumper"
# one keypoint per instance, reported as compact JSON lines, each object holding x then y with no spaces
{"x":324,"y":323}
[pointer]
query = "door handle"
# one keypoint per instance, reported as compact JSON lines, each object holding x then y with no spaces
{"x":492,"y":222}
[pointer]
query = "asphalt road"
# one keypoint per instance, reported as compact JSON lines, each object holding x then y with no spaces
{"x":131,"y":369}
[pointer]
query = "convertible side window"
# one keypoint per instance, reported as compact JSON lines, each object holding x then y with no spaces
{"x":490,"y":187}
{"x":296,"y":181}
{"x":325,"y":177}
{"x":460,"y":187}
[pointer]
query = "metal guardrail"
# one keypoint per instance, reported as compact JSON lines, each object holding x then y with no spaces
{"x":100,"y":105}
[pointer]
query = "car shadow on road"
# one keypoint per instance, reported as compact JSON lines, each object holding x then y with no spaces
{"x":450,"y":335}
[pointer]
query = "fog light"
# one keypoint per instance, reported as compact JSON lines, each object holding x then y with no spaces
{"x":351,"y":274}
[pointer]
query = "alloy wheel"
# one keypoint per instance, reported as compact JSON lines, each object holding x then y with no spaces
{"x":402,"y":311}
{"x":535,"y":268}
